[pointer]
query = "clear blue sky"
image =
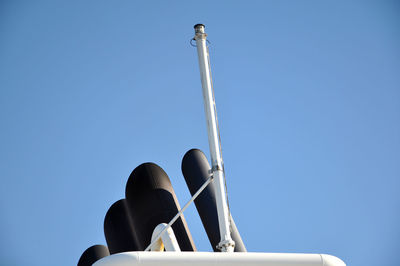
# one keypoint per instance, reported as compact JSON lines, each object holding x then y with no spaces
{"x":308,"y":99}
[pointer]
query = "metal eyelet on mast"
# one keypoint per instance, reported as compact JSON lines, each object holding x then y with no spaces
{"x":217,"y":166}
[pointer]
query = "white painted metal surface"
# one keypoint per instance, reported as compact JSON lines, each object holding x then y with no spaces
{"x":226,"y":244}
{"x":218,"y":259}
{"x":167,"y":239}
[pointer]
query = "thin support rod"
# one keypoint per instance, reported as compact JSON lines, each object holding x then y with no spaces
{"x":217,"y":166}
{"x":179,"y":214}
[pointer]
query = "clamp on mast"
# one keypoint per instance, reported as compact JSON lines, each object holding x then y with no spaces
{"x":226,"y":243}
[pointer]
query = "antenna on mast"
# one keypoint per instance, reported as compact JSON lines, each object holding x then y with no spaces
{"x":226,"y":243}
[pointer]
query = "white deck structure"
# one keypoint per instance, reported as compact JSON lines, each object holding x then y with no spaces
{"x":218,"y":259}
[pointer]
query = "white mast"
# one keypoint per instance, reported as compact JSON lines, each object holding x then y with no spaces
{"x":226,"y":243}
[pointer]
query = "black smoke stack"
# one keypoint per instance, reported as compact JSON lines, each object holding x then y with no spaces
{"x":93,"y":254}
{"x":151,"y":201}
{"x":119,"y":229}
{"x":196,"y":170}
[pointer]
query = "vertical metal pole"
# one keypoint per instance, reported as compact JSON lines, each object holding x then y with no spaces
{"x":226,"y":244}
